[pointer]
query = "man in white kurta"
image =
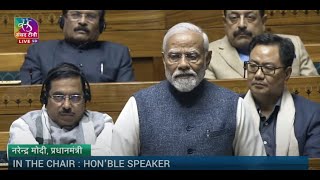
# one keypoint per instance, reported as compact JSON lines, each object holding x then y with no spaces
{"x":64,"y":118}
{"x":185,"y":115}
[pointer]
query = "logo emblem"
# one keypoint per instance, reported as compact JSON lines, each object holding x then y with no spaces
{"x":26,"y":30}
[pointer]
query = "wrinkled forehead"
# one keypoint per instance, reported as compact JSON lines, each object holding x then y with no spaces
{"x":67,"y":82}
{"x":241,"y":11}
{"x":86,"y":11}
{"x":186,"y":39}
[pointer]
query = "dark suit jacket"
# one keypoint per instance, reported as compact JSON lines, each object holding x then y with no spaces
{"x":100,"y":61}
{"x":307,"y":126}
{"x":306,"y":123}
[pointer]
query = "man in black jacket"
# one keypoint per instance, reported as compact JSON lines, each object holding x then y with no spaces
{"x":100,"y":61}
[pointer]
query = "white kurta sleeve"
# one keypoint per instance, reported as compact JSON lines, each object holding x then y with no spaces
{"x":248,"y":141}
{"x":20,"y":133}
{"x":125,"y":135}
{"x":102,"y":146}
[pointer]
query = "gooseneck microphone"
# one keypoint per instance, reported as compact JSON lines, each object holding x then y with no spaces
{"x":245,"y":68}
{"x":81,"y":67}
{"x":30,"y":74}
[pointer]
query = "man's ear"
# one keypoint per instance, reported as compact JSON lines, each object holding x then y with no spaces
{"x":223,"y":17}
{"x":163,"y":59}
{"x":208,"y":58}
{"x":264,"y":20}
{"x":288,"y":72}
{"x":224,"y":20}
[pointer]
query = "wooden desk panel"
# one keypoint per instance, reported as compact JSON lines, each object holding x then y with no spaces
{"x":4,"y":136}
{"x":111,"y":97}
{"x":314,"y":164}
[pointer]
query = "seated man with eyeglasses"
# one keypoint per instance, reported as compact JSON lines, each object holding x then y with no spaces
{"x":100,"y":61}
{"x":185,"y":115}
{"x":64,"y":118}
{"x":289,"y":124}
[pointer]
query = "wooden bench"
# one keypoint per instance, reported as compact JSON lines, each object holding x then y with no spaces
{"x":145,"y":68}
{"x":111,"y":97}
{"x":143,"y":31}
{"x":314,"y":52}
{"x":11,"y":61}
{"x":314,"y":164}
{"x":4,"y":136}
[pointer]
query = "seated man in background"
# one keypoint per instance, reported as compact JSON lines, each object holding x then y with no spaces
{"x":289,"y":124}
{"x":230,"y":52}
{"x":63,"y":118}
{"x":185,"y":114}
{"x":100,"y":61}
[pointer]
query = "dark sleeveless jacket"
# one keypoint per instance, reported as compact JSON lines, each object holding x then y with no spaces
{"x":200,"y":122}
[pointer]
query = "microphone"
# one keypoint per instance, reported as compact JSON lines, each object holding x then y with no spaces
{"x":30,"y":74}
{"x":101,"y":67}
{"x":81,"y":67}
{"x":245,"y":69}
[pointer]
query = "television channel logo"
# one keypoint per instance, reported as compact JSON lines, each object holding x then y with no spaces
{"x":26,"y":30}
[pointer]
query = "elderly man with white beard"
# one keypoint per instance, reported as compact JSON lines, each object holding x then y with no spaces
{"x":185,"y":115}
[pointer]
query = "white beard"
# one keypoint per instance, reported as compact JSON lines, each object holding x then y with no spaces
{"x":187,"y":83}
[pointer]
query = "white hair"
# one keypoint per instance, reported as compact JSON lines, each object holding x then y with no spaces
{"x":182,"y":27}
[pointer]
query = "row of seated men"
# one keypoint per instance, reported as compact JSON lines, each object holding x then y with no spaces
{"x":111,"y":62}
{"x":184,"y":115}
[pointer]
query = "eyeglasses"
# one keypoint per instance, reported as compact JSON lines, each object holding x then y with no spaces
{"x":76,"y":16}
{"x":266,"y":69}
{"x":74,"y":98}
{"x":191,"y":57}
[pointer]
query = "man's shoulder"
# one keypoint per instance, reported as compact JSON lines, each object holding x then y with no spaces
{"x":112,"y":45}
{"x":31,"y":116}
{"x":98,"y":117}
{"x":303,"y":103}
{"x":219,"y":43}
{"x":95,"y":113}
{"x":292,"y":37}
{"x":154,"y":88}
{"x":45,"y":45}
